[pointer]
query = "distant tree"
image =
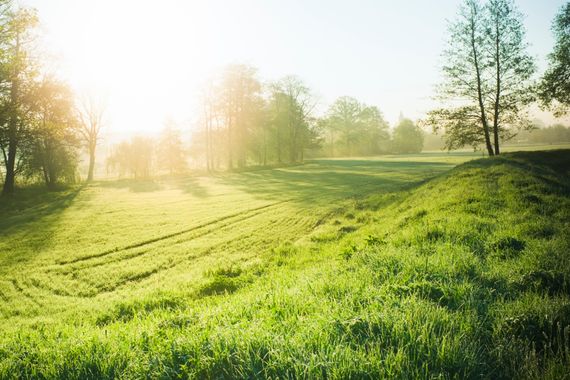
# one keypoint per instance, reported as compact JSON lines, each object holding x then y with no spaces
{"x":354,"y":128}
{"x":277,"y":116}
{"x":407,"y":137}
{"x":170,"y":150}
{"x":210,"y":121}
{"x":487,"y":75}
{"x":238,"y":102}
{"x":242,"y":121}
{"x":553,"y":134}
{"x":343,"y":117}
{"x":134,"y":157}
{"x":291,"y":105}
{"x":433,"y":141}
{"x":17,"y":73}
{"x":90,"y":114}
{"x":554,"y":89}
{"x":261,"y":144}
{"x":375,"y":131}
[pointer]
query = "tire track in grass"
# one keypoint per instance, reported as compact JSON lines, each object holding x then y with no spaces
{"x":165,"y":237}
{"x":282,"y":226}
{"x":24,"y":292}
{"x":224,"y":247}
{"x":167,"y":263}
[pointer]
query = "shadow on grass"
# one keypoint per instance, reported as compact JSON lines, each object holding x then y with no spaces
{"x":192,"y":186}
{"x":30,"y":219}
{"x":134,"y":185}
{"x":326,"y":180}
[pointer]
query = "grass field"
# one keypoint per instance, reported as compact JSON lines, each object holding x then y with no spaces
{"x":396,"y":266}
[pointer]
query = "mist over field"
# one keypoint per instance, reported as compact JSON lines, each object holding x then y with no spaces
{"x":266,"y":189}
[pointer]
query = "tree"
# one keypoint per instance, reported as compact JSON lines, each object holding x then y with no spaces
{"x":291,"y":107}
{"x":358,"y":129}
{"x":210,"y":121}
{"x":554,"y":89}
{"x":407,"y":137}
{"x":134,"y":157}
{"x":55,"y":143}
{"x":16,"y":72}
{"x":238,"y":101}
{"x":375,"y":137}
{"x":90,"y":114}
{"x":487,"y":77}
{"x":344,"y":117}
{"x":170,"y":150}
{"x":513,"y":68}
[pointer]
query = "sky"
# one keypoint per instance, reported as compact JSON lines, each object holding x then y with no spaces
{"x":149,"y":59}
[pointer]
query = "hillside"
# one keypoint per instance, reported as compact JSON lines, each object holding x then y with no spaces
{"x":360,"y":269}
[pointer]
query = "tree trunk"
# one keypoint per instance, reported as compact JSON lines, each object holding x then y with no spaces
{"x":8,"y":188}
{"x":91,"y":163}
{"x":230,"y":143}
{"x":498,"y":92}
{"x":279,"y":160}
{"x":264,"y":146}
{"x":480,"y":93}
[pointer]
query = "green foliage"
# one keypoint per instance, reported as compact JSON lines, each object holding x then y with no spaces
{"x":351,"y":128}
{"x":554,"y":89}
{"x":53,"y":138}
{"x":466,"y":275}
{"x":134,"y":157}
{"x":407,"y":138}
{"x":17,"y":82}
{"x":487,"y":77}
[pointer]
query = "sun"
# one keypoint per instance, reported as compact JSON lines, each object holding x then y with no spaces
{"x":149,"y":61}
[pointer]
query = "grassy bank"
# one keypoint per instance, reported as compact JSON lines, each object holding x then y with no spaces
{"x":338,"y":269}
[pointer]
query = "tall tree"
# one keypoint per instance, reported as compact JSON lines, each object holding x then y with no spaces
{"x":239,"y":101}
{"x":293,"y":104}
{"x":513,"y":68}
{"x":487,"y":77}
{"x":90,"y":114}
{"x":209,"y":120}
{"x":16,"y":73}
{"x":554,"y":89}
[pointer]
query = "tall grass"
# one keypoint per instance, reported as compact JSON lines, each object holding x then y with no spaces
{"x":463,"y":276}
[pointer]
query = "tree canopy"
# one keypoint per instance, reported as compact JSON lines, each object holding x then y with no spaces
{"x":554,"y":89}
{"x":487,"y":77}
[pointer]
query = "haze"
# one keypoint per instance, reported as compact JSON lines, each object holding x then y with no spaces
{"x":150,"y":59}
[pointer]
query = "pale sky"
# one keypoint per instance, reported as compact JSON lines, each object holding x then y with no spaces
{"x":150,"y":58}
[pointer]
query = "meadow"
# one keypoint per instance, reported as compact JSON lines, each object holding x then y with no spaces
{"x":435,"y":265}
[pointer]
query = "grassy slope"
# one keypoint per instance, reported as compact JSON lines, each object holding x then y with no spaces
{"x":91,"y":247}
{"x":466,"y":276}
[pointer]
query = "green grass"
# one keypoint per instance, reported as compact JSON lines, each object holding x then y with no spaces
{"x":395,"y":267}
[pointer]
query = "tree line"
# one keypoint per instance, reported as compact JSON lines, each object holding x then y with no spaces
{"x":272,"y":128}
{"x":489,"y":84}
{"x":247,"y":122}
